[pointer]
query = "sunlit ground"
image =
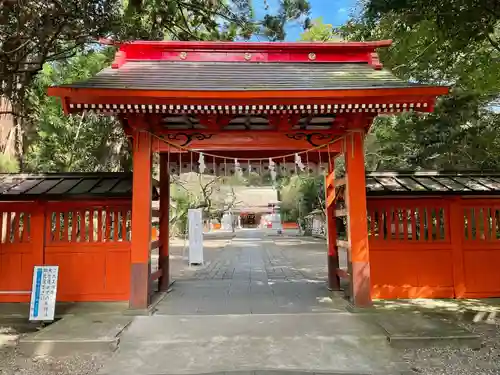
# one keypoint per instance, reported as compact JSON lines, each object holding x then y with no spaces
{"x":475,"y":310}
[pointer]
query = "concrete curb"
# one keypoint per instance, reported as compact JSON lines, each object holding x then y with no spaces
{"x":59,"y":348}
{"x":76,"y":335}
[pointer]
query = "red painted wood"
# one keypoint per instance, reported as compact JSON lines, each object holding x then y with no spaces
{"x":486,"y":223}
{"x":82,"y":226}
{"x":57,"y":232}
{"x":141,"y":221}
{"x":424,"y":94}
{"x":430,"y":223}
{"x":421,"y":217}
{"x":65,"y":236}
{"x":15,"y":228}
{"x":405,"y":223}
{"x":333,"y":255}
{"x":124,"y":225}
{"x":9,"y":227}
{"x":456,"y":230}
{"x":494,"y":229}
{"x":469,"y":223}
{"x":357,"y":219}
{"x":397,"y":222}
{"x":156,"y":275}
{"x":389,"y":222}
{"x":413,"y":223}
{"x":251,"y":52}
{"x":107,"y":230}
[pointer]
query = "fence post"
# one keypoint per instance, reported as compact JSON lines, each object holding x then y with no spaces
{"x":38,"y":228}
{"x":456,"y":231}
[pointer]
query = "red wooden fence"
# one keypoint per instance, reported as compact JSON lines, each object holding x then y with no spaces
{"x":89,"y":241}
{"x":434,"y":248}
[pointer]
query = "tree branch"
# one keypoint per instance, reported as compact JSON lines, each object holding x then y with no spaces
{"x":12,"y":113}
{"x":493,"y":42}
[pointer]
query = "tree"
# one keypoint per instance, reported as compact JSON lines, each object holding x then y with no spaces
{"x":320,"y":32}
{"x":463,"y":130}
{"x":36,"y":32}
{"x":461,"y":22}
{"x":82,"y":142}
{"x":300,"y":195}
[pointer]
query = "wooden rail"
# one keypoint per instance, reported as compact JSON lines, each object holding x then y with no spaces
{"x":156,"y":275}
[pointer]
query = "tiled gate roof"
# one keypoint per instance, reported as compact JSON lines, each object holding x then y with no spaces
{"x":66,"y":186}
{"x":425,"y":183}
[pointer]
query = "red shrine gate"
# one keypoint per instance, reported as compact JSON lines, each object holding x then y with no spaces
{"x":242,"y":101}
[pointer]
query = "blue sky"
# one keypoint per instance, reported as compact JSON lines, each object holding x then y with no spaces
{"x":334,"y":12}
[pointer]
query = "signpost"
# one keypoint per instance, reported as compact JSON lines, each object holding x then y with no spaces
{"x":43,"y":293}
{"x":195,"y":218}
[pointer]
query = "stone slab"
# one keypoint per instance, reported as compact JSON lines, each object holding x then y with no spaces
{"x":22,"y":310}
{"x":76,"y":334}
{"x":335,"y":343}
{"x":410,"y":330}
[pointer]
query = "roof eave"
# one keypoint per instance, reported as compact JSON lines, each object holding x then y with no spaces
{"x":86,"y":92}
{"x":256,"y":46}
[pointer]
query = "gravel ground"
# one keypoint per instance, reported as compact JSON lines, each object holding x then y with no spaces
{"x":460,"y":361}
{"x":12,"y":362}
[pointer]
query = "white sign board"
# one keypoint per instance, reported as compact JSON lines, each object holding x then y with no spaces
{"x":195,"y":218}
{"x":43,"y":293}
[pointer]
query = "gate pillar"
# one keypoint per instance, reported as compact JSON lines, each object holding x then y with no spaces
{"x":357,"y":222}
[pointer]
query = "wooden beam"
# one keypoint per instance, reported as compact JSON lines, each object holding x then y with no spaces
{"x":155,"y":275}
{"x":340,"y":182}
{"x":342,"y":273}
{"x":341,"y":213}
{"x":141,"y":221}
{"x":343,"y":244}
{"x":231,"y":97}
{"x":331,"y":222}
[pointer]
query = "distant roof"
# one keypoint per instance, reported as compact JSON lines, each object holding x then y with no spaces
{"x":435,"y":183}
{"x":66,"y":186}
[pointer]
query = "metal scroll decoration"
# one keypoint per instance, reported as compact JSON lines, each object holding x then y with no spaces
{"x":188,"y":137}
{"x":309,"y":137}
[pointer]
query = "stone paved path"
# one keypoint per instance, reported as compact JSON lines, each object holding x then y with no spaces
{"x":259,"y":303}
{"x":255,"y":274}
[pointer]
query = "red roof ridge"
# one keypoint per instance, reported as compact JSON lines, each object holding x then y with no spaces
{"x":249,"y":52}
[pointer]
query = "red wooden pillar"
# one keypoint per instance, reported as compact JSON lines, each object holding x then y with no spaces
{"x":333,"y":255}
{"x":163,"y":260}
{"x":357,"y":221}
{"x":141,"y":221}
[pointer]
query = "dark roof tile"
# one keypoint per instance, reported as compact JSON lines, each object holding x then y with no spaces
{"x":210,"y":76}
{"x":425,"y":183}
{"x":67,"y":186}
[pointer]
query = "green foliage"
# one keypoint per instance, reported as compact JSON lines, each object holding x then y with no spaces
{"x":8,"y":164}
{"x":300,"y":195}
{"x":85,"y":142}
{"x":273,"y":25}
{"x":182,"y":200}
{"x":320,"y":32}
{"x":433,"y":44}
{"x":460,"y":22}
{"x":36,"y":35}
